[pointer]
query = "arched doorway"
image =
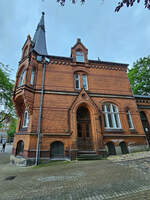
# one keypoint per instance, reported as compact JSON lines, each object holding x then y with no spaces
{"x":146,"y":126}
{"x":57,"y":150}
{"x":123,"y":147}
{"x":20,"y":148}
{"x":84,"y":134}
{"x":111,"y":148}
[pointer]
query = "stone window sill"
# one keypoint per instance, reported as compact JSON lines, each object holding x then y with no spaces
{"x":133,"y":130}
{"x":23,"y":129}
{"x":114,"y":130}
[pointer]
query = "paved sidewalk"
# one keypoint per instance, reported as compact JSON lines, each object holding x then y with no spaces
{"x":8,"y":148}
{"x":130,"y":156}
{"x":115,"y":179}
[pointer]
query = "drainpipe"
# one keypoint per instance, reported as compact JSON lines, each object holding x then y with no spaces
{"x":40,"y":116}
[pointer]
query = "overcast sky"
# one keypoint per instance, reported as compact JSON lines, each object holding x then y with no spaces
{"x":118,"y":37}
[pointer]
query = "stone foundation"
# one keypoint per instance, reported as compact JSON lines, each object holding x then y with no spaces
{"x":137,"y":148}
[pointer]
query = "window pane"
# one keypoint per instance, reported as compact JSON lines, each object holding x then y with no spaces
{"x":77,"y":76}
{"x":77,"y":84}
{"x":84,"y":81}
{"x":22,"y":78}
{"x":77,"y":81}
{"x":25,"y":120}
{"x":129,"y":120}
{"x":116,"y":119}
{"x":105,"y":121}
{"x":79,"y":56}
{"x":110,"y":121}
{"x":114,"y":108}
{"x":32,"y":77}
{"x":108,"y":107}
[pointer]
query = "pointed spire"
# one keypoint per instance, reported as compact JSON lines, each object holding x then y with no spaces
{"x":39,"y":39}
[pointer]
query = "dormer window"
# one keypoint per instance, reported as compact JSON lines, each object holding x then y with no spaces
{"x":79,"y":56}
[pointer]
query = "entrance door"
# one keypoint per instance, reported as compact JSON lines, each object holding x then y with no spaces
{"x":84,"y":136}
{"x":146,"y":126}
{"x":57,"y":150}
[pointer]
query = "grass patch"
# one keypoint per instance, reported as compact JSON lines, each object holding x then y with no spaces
{"x":53,"y":163}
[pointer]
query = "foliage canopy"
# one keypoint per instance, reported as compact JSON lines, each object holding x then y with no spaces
{"x":121,"y":3}
{"x":6,"y":88}
{"x":139,"y":76}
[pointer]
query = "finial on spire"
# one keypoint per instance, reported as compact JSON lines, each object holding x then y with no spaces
{"x":43,"y":13}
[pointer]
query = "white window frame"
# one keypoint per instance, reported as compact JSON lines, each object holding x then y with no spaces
{"x":129,"y":118}
{"x":79,"y":56}
{"x":84,"y":81}
{"x":25,"y":119}
{"x":116,"y":124}
{"x":32,"y":77}
{"x":77,"y":78}
{"x":22,"y":76}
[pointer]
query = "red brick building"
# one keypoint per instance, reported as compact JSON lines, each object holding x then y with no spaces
{"x":68,"y":107}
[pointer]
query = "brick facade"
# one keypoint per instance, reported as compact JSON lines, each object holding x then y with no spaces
{"x":107,"y":83}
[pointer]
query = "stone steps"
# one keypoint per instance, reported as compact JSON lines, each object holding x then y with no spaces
{"x":88,"y":155}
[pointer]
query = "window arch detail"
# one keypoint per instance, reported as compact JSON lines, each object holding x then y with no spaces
{"x":111,"y":116}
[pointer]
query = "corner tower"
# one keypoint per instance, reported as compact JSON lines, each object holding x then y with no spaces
{"x":29,"y":72}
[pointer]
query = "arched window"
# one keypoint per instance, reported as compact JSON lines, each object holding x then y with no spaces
{"x":21,"y":80}
{"x":20,"y":148}
{"x":79,"y":56}
{"x":25,"y":119}
{"x":129,"y":117}
{"x":112,"y":119}
{"x":32,"y":76}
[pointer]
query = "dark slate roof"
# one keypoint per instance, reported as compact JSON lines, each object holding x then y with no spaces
{"x":141,"y":96}
{"x":39,"y":39}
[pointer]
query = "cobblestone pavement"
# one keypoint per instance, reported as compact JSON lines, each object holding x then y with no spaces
{"x":117,"y":178}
